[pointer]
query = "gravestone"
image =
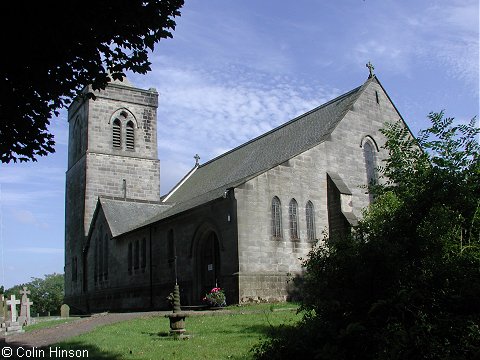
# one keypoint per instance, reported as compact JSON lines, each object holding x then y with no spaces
{"x":13,"y":308}
{"x":2,"y":309}
{"x":64,"y":311}
{"x":11,"y":324}
{"x":25,"y":304}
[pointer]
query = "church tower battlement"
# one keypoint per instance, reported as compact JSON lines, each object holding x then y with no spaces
{"x":112,"y":152}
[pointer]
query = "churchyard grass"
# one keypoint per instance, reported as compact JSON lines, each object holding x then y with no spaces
{"x":46,"y":323}
{"x":216,"y":335}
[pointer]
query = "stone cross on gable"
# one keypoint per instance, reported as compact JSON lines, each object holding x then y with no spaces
{"x":370,"y":67}
{"x":13,"y":307}
{"x":197,"y":158}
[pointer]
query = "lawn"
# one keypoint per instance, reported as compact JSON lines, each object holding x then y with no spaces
{"x":48,"y":323}
{"x":212,"y":336}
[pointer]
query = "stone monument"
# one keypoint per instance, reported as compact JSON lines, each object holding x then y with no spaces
{"x":11,"y":323}
{"x":3,"y":313}
{"x":177,"y":318}
{"x":64,"y":311}
{"x":24,"y":318}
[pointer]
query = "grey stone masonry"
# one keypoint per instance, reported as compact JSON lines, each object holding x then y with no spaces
{"x":265,"y":261}
{"x":112,"y":153}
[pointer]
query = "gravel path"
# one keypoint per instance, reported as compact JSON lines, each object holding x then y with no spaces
{"x":55,"y":334}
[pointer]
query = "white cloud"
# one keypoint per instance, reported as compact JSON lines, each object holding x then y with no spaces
{"x":28,"y":217}
{"x":210,"y":112}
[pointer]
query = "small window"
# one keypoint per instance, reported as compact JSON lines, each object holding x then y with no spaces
{"x":136,"y":259}
{"x":130,"y":257}
{"x":100,"y":259}
{"x":74,"y":268}
{"x":276,"y":218}
{"x":130,"y":136}
{"x":105,"y":261}
{"x":144,"y":253}
{"x":95,"y":261}
{"x":171,"y":247}
{"x":310,"y":216}
{"x":369,"y":154}
{"x":293,"y":216}
{"x":117,"y":133}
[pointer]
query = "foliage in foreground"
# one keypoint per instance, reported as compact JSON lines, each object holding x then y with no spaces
{"x":62,"y":49}
{"x":46,"y":294}
{"x":406,"y":283}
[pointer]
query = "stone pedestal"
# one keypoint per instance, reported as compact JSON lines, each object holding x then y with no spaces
{"x":13,"y":327}
{"x":177,"y":318}
{"x":177,"y":323}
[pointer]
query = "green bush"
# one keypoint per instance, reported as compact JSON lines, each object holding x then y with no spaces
{"x":405,"y":284}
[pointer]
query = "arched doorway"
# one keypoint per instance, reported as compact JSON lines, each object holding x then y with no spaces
{"x":208,"y":263}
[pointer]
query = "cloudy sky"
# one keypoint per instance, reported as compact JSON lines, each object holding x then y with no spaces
{"x":236,"y":69}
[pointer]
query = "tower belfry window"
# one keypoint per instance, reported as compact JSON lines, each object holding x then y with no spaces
{"x":117,"y":133}
{"x":130,"y":136}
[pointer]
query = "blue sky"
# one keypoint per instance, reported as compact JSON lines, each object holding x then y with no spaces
{"x":236,"y":69}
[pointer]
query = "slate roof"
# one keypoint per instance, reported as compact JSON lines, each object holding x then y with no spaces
{"x":124,"y":216}
{"x":210,"y":180}
{"x":268,"y":150}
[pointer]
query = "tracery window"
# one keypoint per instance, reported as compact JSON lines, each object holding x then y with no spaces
{"x":276,"y":218}
{"x":293,"y":217}
{"x":310,"y":216}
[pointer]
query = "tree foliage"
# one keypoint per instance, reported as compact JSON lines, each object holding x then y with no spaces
{"x":406,"y":283}
{"x":58,"y":48}
{"x":46,"y":294}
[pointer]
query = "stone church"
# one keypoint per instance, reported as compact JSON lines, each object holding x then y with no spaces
{"x":241,"y":221}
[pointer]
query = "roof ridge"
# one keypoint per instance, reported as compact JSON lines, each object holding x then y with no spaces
{"x":338,"y":98}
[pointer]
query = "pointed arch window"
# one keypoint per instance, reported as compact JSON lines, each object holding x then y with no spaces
{"x":130,"y":136}
{"x":136,"y":258}
{"x":105,"y":261}
{"x":310,"y":216}
{"x":117,"y":134}
{"x":100,"y":259}
{"x":276,"y":218}
{"x":293,"y":217}
{"x":130,"y":257}
{"x":369,"y":154}
{"x":171,"y":247}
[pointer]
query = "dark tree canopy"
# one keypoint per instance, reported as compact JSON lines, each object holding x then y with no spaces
{"x":53,"y":49}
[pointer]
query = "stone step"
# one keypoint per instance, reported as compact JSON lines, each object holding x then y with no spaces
{"x":14,"y":328}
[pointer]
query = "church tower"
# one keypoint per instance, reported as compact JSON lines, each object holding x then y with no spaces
{"x":112,"y":152}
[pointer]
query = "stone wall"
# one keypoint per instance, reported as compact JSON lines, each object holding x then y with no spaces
{"x":148,"y":287}
{"x":265,"y":263}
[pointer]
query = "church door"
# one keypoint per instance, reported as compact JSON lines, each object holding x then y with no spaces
{"x":209,"y":262}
